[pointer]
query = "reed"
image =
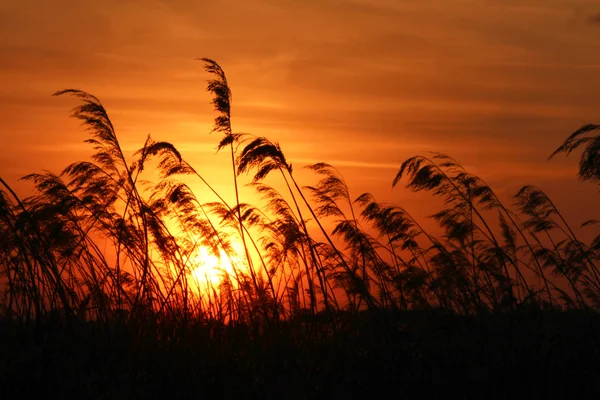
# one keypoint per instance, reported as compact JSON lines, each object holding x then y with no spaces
{"x":100,"y":244}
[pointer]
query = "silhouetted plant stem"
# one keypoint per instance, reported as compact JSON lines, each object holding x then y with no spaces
{"x":311,"y":251}
{"x":54,"y":273}
{"x":368,"y":298}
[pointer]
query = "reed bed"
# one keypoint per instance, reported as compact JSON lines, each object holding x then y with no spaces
{"x":311,"y":285}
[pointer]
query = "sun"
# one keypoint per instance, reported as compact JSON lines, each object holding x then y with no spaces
{"x":210,"y":270}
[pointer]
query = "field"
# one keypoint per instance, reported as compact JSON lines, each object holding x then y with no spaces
{"x":115,"y":286}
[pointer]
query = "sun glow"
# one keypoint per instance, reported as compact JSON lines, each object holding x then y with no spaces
{"x":210,"y":270}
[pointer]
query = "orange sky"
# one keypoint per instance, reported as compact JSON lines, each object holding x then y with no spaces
{"x":361,"y":84}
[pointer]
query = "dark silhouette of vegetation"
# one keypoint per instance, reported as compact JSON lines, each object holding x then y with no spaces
{"x":333,"y":294}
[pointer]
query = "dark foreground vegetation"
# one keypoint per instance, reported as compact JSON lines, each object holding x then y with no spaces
{"x":410,"y":354}
{"x":320,"y":294}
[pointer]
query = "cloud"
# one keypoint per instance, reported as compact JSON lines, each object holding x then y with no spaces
{"x":348,"y":163}
{"x":594,"y":19}
{"x":364,"y":82}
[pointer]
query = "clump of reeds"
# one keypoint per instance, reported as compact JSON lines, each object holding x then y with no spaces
{"x":91,"y":245}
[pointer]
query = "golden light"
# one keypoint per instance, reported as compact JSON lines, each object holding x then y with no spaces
{"x":210,"y":270}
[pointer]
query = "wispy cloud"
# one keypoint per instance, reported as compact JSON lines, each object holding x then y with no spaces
{"x":347,"y":163}
{"x":361,"y":84}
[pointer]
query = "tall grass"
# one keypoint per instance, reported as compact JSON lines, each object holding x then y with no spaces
{"x":304,"y":250}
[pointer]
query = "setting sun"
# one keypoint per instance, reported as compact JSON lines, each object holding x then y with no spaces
{"x":210,"y":270}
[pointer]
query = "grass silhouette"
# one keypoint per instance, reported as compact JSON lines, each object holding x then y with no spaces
{"x":330,"y":296}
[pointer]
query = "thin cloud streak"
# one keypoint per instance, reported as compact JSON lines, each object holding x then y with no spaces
{"x":346,"y":163}
{"x":359,"y":84}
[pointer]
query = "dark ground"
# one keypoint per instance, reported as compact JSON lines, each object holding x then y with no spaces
{"x":418,"y":354}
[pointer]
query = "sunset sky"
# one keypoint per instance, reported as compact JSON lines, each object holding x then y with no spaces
{"x":362,"y":84}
